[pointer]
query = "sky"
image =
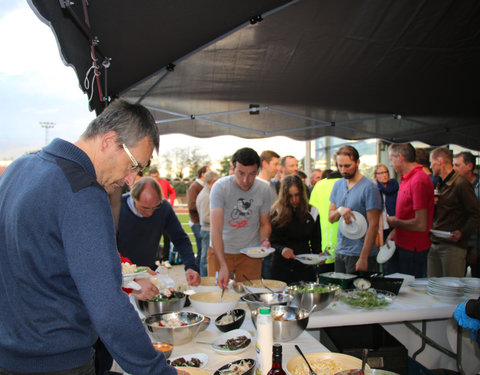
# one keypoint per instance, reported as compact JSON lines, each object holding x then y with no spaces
{"x":36,"y":87}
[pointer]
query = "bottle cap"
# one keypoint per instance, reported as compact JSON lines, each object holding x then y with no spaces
{"x":264,"y":310}
{"x":277,"y":349}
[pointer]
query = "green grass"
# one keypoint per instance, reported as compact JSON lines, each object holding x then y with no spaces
{"x":184,"y":218}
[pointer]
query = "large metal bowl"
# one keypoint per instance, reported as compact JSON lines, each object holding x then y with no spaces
{"x":174,"y":335}
{"x":256,"y":300}
{"x":149,"y":307}
{"x":288,"y":322}
{"x":306,"y":300}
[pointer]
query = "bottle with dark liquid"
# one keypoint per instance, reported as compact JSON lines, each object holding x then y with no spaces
{"x":277,"y":361}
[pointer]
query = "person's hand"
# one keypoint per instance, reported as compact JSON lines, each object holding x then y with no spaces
{"x":347,"y":214}
{"x":362,"y":264}
{"x":193,"y":277}
{"x":148,"y":291}
{"x":392,"y":221}
{"x":182,"y":372}
{"x":455,"y":237}
{"x":265,"y":243}
{"x":391,"y":237}
{"x":223,"y":277}
{"x":288,"y":253}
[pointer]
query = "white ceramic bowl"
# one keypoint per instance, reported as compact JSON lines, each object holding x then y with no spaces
{"x":209,"y":303}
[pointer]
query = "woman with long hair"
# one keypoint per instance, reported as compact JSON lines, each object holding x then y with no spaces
{"x":295,"y":230}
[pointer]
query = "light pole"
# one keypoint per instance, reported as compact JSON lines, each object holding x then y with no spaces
{"x":46,"y":125}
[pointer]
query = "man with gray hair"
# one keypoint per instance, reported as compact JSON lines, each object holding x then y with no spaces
{"x":413,"y":212}
{"x":203,"y":207}
{"x":61,"y":273}
{"x":457,"y":216}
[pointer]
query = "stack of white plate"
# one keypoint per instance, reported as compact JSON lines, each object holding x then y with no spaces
{"x":472,"y":287}
{"x":448,"y":289}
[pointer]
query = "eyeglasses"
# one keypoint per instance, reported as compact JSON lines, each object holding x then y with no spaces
{"x":137,"y":167}
{"x":385,"y":172}
{"x":147,"y":208}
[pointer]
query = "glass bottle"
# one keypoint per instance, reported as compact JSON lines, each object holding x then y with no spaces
{"x":277,"y":361}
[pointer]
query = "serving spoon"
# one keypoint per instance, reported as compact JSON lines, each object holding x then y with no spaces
{"x":308,"y":364}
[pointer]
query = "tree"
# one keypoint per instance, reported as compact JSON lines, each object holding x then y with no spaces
{"x":184,"y":161}
{"x":226,"y":164}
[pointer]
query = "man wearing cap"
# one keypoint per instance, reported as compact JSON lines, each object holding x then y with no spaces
{"x":354,"y":192}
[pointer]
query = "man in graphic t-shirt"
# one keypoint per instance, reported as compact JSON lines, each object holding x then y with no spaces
{"x":239,"y":218}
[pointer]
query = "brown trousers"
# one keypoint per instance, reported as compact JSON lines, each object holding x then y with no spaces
{"x":240,"y":264}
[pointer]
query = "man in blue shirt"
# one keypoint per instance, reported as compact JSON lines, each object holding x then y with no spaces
{"x":60,"y":274}
{"x":354,"y":192}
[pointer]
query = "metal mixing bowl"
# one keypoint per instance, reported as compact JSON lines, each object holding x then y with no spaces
{"x":256,"y":300}
{"x":306,"y":300}
{"x":174,"y":335}
{"x":288,"y":322}
{"x":157,"y":307}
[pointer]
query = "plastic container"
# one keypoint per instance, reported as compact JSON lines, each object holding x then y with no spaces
{"x":264,"y":344}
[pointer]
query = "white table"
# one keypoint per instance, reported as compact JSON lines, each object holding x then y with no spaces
{"x":411,"y":307}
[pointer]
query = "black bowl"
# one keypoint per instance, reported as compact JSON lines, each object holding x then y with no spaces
{"x":250,"y":371}
{"x":239,"y":317}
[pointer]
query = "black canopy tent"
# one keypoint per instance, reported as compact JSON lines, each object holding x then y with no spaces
{"x":397,"y":70}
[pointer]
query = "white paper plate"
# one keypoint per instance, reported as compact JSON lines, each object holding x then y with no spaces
{"x":418,"y":284}
{"x":201,"y":356}
{"x":385,"y":253}
{"x":356,"y":229}
{"x":310,"y":259}
{"x":441,"y":233}
{"x":143,"y":272}
{"x":222,"y":339}
{"x":257,"y":252}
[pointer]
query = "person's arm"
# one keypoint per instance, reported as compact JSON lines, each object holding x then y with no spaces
{"x":334,"y":214}
{"x":216,"y":229}
{"x":469,"y":202}
{"x":372,"y":220}
{"x":193,"y":211}
{"x":381,"y":240}
{"x":265,"y":230}
{"x":419,"y":223}
{"x":172,"y":194}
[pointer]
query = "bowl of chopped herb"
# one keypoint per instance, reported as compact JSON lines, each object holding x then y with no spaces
{"x":306,"y":295}
{"x":164,"y":302}
{"x":367,"y":299}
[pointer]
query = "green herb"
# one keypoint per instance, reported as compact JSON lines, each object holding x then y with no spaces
{"x":365,"y":299}
{"x":162,"y":299}
{"x":316,"y":289}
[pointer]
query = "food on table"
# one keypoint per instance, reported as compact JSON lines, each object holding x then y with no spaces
{"x":227,"y":319}
{"x":165,"y":295}
{"x":237,"y":368}
{"x":162,"y":346}
{"x":171,"y":321}
{"x":365,"y":298}
{"x":282,"y":318}
{"x":320,"y":367}
{"x":236,"y":343}
{"x":214,"y":297}
{"x":315,"y":289}
{"x":182,"y":362}
{"x":272,"y":284}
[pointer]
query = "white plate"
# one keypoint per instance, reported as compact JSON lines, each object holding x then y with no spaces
{"x":310,"y":259}
{"x":385,"y":253}
{"x":418,"y":284}
{"x":356,"y":229}
{"x":201,"y":356}
{"x":142,"y":272}
{"x":441,"y":233}
{"x":222,"y":339}
{"x":257,"y":252}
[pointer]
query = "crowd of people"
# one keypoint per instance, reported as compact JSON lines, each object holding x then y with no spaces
{"x":61,"y":247}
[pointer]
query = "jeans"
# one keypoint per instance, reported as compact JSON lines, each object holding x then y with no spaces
{"x":86,"y":369}
{"x":267,"y":267}
{"x":205,"y":235}
{"x":412,"y":262}
{"x":346,"y":263}
{"x":198,"y":240}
